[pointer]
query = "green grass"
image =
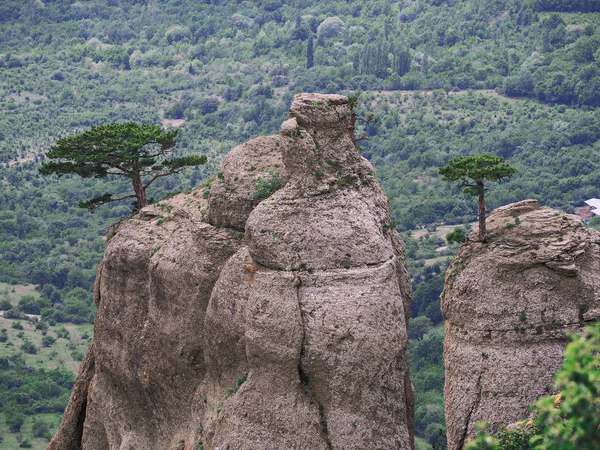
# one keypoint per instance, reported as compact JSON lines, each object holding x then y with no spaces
{"x":15,"y":292}
{"x":57,"y":355}
{"x":11,"y":440}
{"x":420,"y":443}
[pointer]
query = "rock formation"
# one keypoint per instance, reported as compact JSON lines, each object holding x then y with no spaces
{"x":290,"y":336}
{"x":508,"y":304}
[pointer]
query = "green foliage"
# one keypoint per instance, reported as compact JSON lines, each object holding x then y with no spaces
{"x":569,"y":420}
{"x":427,"y":372}
{"x":458,"y":235}
{"x":268,"y":186}
{"x":62,"y":332}
{"x":568,"y":5}
{"x":235,"y":387}
{"x":516,"y":439}
{"x":310,"y":54}
{"x":14,"y":420}
{"x":472,"y":171}
{"x":418,"y":327}
{"x":47,"y":341}
{"x":137,"y":152}
{"x":29,"y":347}
{"x":77,"y":355}
{"x":594,"y":222}
{"x":30,"y":305}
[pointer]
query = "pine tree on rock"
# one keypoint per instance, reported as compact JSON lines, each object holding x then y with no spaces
{"x":138,"y":152}
{"x":471,"y":172}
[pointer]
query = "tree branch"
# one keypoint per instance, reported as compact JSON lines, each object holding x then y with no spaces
{"x":159,"y":175}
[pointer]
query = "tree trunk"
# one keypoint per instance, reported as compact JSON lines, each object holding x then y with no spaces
{"x":481,"y":211}
{"x":140,"y":192}
{"x":352,"y":125}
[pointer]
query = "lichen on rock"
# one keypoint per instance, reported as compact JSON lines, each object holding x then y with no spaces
{"x":508,"y":305}
{"x":247,"y":324}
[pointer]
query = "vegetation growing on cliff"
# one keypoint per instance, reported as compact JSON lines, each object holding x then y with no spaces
{"x":569,"y":420}
{"x":471,"y":173}
{"x":518,"y":79}
{"x":138,"y":152}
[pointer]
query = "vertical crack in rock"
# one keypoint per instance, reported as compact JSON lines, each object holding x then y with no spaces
{"x":303,"y":376}
{"x":324,"y":429}
{"x":478,"y":390}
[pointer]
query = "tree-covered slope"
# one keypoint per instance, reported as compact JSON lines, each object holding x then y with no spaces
{"x":519,"y":79}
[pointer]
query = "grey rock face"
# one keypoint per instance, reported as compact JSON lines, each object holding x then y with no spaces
{"x":156,"y":280}
{"x":231,"y":200}
{"x":508,"y":305}
{"x":292,"y":336}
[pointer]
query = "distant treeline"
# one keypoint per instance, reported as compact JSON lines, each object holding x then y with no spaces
{"x":585,"y":6}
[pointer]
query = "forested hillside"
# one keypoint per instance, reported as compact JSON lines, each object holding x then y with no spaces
{"x":519,"y":79}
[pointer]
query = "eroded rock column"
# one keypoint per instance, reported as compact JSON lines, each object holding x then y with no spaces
{"x":317,"y":305}
{"x":508,"y":304}
{"x":235,"y":323}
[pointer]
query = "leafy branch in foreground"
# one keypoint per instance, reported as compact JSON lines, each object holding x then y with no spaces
{"x":569,"y":420}
{"x":138,"y":152}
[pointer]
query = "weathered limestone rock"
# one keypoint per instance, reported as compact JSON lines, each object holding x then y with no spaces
{"x":319,"y":305}
{"x":156,"y":281}
{"x":508,"y":305}
{"x":290,"y":337}
{"x":231,"y":201}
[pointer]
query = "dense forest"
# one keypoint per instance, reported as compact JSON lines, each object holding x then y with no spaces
{"x":444,"y":78}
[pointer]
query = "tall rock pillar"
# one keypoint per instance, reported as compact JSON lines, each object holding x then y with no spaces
{"x":236,"y":323}
{"x":508,"y":304}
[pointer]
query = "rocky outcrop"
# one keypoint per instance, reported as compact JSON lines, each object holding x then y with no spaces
{"x":156,"y":280}
{"x":508,"y":304}
{"x":292,"y":335}
{"x":231,"y":200}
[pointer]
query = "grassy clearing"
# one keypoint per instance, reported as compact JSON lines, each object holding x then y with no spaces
{"x":13,"y":440}
{"x":15,"y":292}
{"x":67,"y":351}
{"x":60,"y":353}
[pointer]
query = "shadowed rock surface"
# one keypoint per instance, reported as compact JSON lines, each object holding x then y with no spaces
{"x":508,"y":305}
{"x":292,"y":336}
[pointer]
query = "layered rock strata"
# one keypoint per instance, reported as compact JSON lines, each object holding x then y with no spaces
{"x":292,"y":335}
{"x":508,"y":305}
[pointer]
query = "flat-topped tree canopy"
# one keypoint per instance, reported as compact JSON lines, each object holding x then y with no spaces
{"x":471,"y":173}
{"x":136,"y":151}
